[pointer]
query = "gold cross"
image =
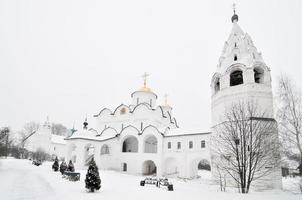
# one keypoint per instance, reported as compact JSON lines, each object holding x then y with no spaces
{"x":145,"y":75}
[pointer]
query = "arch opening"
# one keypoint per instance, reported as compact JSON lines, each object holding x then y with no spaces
{"x":149,"y":168}
{"x":258,"y":75}
{"x":130,"y":145}
{"x":150,"y":144}
{"x":236,"y":78}
{"x":200,"y":168}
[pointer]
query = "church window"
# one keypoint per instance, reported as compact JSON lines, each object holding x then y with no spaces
{"x":54,"y":148}
{"x":236,"y":78}
{"x":235,"y":44}
{"x":235,"y":57}
{"x":178,"y":145}
{"x":217,"y":85}
{"x":123,"y":111}
{"x":203,"y":144}
{"x":258,"y":75}
{"x":104,"y":149}
{"x":151,"y":102}
{"x":169,"y":145}
{"x":190,"y":144}
{"x":142,"y":126}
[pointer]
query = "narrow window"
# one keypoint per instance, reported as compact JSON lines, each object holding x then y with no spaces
{"x":235,"y":57}
{"x":236,"y":78}
{"x":235,"y":44}
{"x":141,"y":126}
{"x":178,"y":145}
{"x":137,"y":100}
{"x":169,"y":145}
{"x":217,"y":85}
{"x":203,"y":144}
{"x":151,"y":102}
{"x":190,"y":144}
{"x":258,"y":75}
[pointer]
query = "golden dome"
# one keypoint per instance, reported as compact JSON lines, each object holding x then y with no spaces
{"x":145,"y":89}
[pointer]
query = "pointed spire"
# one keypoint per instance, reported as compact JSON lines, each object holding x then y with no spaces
{"x":235,"y":16}
{"x":73,"y":129}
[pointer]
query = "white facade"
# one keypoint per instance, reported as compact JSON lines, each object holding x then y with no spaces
{"x":141,"y":138}
{"x":242,"y":76}
{"x":42,"y":139}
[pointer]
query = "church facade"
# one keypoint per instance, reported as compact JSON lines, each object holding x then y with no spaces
{"x":142,"y":138}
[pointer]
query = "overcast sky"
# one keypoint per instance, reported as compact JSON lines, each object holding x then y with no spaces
{"x":68,"y":58}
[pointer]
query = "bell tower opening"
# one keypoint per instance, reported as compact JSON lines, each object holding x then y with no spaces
{"x":236,"y":78}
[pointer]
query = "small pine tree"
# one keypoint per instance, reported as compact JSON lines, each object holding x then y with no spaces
{"x":70,"y":166}
{"x":92,"y":181}
{"x":63,"y":167}
{"x":55,"y":165}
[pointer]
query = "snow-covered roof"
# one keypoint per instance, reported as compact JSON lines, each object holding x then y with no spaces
{"x":58,"y":139}
{"x":90,"y":134}
{"x":183,"y":132}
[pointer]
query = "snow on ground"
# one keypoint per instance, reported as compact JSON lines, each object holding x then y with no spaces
{"x":20,"y":180}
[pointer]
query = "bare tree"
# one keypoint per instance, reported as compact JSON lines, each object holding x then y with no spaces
{"x":290,"y":117}
{"x":58,"y":129}
{"x":246,"y":144}
{"x":29,"y":129}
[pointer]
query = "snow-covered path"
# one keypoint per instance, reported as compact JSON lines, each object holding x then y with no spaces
{"x":23,"y":182}
{"x":20,"y":180}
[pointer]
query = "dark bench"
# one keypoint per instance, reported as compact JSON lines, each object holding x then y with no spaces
{"x":158,"y":182}
{"x":72,"y":176}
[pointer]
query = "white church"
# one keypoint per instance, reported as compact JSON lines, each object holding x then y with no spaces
{"x":144,"y":138}
{"x":140,"y":138}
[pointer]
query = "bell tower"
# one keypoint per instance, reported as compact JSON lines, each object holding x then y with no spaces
{"x":241,"y":74}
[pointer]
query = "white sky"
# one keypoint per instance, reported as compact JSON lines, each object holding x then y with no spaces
{"x":69,"y":58}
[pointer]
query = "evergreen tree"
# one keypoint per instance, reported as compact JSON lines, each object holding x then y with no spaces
{"x":92,"y":181}
{"x":55,"y":165}
{"x":63,"y":167}
{"x":70,"y":166}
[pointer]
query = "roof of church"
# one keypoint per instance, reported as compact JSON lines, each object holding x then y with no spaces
{"x":183,"y":132}
{"x":58,"y":139}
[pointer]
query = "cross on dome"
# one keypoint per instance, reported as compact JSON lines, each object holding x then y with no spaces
{"x":145,"y":75}
{"x":145,"y":88}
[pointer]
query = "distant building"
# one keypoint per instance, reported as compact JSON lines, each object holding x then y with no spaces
{"x":43,"y":139}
